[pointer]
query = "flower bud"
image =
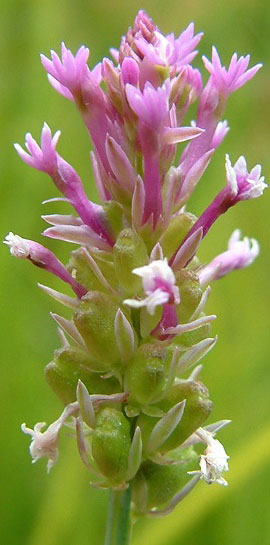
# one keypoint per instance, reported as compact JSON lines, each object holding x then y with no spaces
{"x":163,"y":481}
{"x":111,"y":444}
{"x":129,"y":253}
{"x":147,"y":372}
{"x":197,"y":409}
{"x":80,"y":268}
{"x":190,"y":294}
{"x":94,"y":320}
{"x":114,"y":215}
{"x":175,"y":233}
{"x":70,"y":365}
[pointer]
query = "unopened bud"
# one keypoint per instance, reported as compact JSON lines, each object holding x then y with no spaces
{"x":70,"y":365}
{"x":147,"y":372}
{"x":111,"y":444}
{"x":175,"y":233}
{"x":129,"y":253}
{"x":197,"y":409}
{"x":190,"y":293}
{"x":94,"y":320}
{"x":164,"y":481}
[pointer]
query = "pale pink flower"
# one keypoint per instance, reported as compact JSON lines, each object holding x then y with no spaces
{"x":159,"y":285}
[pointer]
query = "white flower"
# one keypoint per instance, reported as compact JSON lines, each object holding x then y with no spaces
{"x":159,"y":285}
{"x":241,"y":183}
{"x":19,"y":247}
{"x":214,"y":460}
{"x":46,"y":443}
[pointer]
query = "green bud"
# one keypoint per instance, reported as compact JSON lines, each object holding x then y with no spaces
{"x":114,"y":214}
{"x":129,"y":252}
{"x":111,"y":444}
{"x":147,"y":372}
{"x":79,"y":267}
{"x":190,"y":294}
{"x":94,"y":320}
{"x":70,"y":365}
{"x":164,"y":481}
{"x":197,"y":409}
{"x":178,"y":228}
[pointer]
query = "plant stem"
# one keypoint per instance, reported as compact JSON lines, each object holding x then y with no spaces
{"x":123,"y":535}
{"x":118,"y":528}
{"x":113,"y":508}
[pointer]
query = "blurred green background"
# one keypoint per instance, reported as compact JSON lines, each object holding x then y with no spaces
{"x":62,"y":509}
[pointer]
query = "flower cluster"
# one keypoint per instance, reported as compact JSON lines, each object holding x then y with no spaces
{"x":139,"y":324}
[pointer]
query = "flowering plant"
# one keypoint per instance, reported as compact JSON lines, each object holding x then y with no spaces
{"x":139,"y":324}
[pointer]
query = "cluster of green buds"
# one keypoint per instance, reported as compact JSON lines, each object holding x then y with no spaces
{"x":127,"y":371}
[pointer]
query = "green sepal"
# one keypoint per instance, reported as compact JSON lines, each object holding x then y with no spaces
{"x":129,"y":252}
{"x":197,"y":409}
{"x":70,"y":365}
{"x":175,"y":233}
{"x":111,"y":444}
{"x":94,"y":320}
{"x":147,"y":372}
{"x":191,"y":338}
{"x":164,"y":481}
{"x":190,"y":294}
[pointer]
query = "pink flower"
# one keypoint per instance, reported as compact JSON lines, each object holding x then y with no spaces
{"x":43,"y":157}
{"x":46,"y":443}
{"x":242,"y":184}
{"x":43,"y":258}
{"x":159,"y":285}
{"x":227,"y":81}
{"x":68,"y":74}
{"x":240,"y":254}
{"x":150,"y":105}
{"x":168,"y":50}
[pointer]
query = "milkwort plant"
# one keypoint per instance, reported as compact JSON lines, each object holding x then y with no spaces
{"x":127,"y":371}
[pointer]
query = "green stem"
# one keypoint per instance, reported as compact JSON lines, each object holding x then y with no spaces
{"x":112,"y":514}
{"x":123,"y":535}
{"x":118,"y":528}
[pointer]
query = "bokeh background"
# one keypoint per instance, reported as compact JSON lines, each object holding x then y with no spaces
{"x":62,"y":509}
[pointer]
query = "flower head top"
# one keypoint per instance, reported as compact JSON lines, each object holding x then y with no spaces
{"x":168,"y":50}
{"x":159,"y":285}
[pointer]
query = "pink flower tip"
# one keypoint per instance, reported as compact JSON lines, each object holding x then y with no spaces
{"x":68,"y":73}
{"x":43,"y":157}
{"x":242,"y":184}
{"x":228,"y":80}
